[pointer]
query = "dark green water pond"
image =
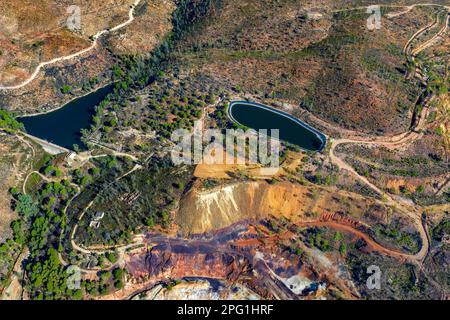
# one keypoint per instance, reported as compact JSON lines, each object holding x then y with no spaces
{"x":257,"y":116}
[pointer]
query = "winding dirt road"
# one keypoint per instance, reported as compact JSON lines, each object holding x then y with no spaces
{"x":396,"y":14}
{"x":431,"y":41}
{"x":395,"y":142}
{"x":77,"y":54}
{"x":370,"y":242}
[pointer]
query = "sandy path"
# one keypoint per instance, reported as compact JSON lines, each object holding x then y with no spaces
{"x":396,"y":142}
{"x":77,"y":54}
{"x":370,"y":242}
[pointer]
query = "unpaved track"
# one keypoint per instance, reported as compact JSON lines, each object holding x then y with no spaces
{"x":413,"y":212}
{"x":420,"y":32}
{"x":409,"y":8}
{"x":114,"y":152}
{"x":77,"y":54}
{"x":431,"y":41}
{"x":131,"y":19}
{"x":104,"y":248}
{"x":370,"y":242}
{"x":392,"y":142}
{"x":405,"y":208}
{"x":393,"y":15}
{"x":396,"y":142}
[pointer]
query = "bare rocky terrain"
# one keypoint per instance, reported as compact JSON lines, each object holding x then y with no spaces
{"x":141,"y":227}
{"x":92,"y":68}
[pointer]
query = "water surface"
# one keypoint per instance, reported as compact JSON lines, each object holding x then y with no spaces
{"x":62,"y":127}
{"x":257,"y":116}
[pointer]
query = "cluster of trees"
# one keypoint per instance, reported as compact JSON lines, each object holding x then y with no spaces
{"x":145,"y":197}
{"x":321,"y":240}
{"x":441,"y":230}
{"x":112,"y":257}
{"x":8,"y":123}
{"x":9,"y":250}
{"x":23,"y":203}
{"x":84,"y":177}
{"x":161,"y":217}
{"x":135,"y":72}
{"x":108,"y":281}
{"x":48,"y":278}
{"x":88,"y":86}
{"x":66,"y":89}
{"x":315,"y":240}
{"x":339,"y":242}
{"x":169,"y":114}
{"x":437,"y":83}
{"x":39,"y":227}
{"x":51,"y":170}
{"x":328,"y":180}
{"x":118,"y":278}
{"x":51,"y":192}
{"x":221,"y":117}
{"x":402,"y":239}
{"x":43,"y":227}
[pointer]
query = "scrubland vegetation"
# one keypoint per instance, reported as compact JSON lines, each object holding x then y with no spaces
{"x":348,"y":78}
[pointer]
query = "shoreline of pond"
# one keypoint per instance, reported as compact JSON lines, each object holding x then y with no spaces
{"x":319,"y":135}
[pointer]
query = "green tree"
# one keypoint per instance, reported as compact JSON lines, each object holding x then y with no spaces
{"x":337,"y":236}
{"x":105,"y":276}
{"x":343,"y":249}
{"x":112,"y":257}
{"x":25,"y":206}
{"x":150,"y":222}
{"x":19,"y":231}
{"x":66,"y":89}
{"x":420,"y":189}
{"x":118,"y":275}
{"x":8,"y":123}
{"x":85,"y":180}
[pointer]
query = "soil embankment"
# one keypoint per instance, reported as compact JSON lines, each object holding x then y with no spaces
{"x":204,"y":211}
